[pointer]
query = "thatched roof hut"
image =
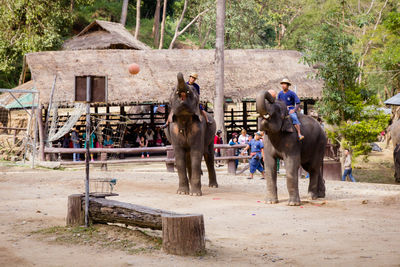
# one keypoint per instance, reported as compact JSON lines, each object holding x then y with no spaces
{"x":246,"y":73}
{"x":104,"y":35}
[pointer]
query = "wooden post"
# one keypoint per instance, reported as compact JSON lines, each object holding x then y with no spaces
{"x":75,"y":213}
{"x":244,"y":115}
{"x":170,"y":156}
{"x":152,"y":116}
{"x":183,"y":234}
{"x":305,"y":107}
{"x":231,"y":162}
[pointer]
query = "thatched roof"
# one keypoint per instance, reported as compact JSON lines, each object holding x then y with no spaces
{"x":104,"y":35}
{"x":246,"y":73}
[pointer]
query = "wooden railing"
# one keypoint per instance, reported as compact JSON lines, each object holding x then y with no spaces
{"x":169,"y":159}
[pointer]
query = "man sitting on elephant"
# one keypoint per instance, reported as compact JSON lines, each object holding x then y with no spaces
{"x":256,"y":147}
{"x":292,"y":102}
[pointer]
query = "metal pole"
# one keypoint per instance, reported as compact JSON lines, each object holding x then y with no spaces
{"x":87,"y":144}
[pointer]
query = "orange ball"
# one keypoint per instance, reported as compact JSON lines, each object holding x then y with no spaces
{"x":134,"y":68}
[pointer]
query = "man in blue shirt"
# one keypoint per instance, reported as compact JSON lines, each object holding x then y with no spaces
{"x":293,"y":104}
{"x":256,"y":147}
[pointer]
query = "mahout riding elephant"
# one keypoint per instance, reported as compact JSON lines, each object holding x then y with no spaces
{"x":281,"y":142}
{"x":191,"y":137}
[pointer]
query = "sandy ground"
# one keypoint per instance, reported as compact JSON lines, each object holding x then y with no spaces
{"x":240,"y":229}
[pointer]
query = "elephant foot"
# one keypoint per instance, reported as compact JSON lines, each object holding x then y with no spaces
{"x":294,"y":201}
{"x":312,"y":196}
{"x":321,"y":194}
{"x":213,"y":185}
{"x":196,"y":193}
{"x":182,"y":191}
{"x":272,"y":201}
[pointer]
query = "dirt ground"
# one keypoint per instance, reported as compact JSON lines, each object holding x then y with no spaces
{"x":357,"y":224}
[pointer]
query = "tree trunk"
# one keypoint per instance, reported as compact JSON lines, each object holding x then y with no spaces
{"x":75,"y":213}
{"x":124,"y":12}
{"x":219,"y":68}
{"x":177,"y":32}
{"x":183,"y":234}
{"x":103,"y":210}
{"x":163,"y":24}
{"x":156,"y":24}
{"x":137,"y":28}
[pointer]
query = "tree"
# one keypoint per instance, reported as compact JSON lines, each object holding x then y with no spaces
{"x":124,"y":12}
{"x":137,"y":28}
{"x":29,"y":26}
{"x":156,"y":24}
{"x":177,"y":32}
{"x":163,"y":25}
{"x":219,"y":68}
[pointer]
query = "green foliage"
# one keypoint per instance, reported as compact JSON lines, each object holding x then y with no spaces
{"x":343,"y":98}
{"x":359,"y":134}
{"x":29,"y":26}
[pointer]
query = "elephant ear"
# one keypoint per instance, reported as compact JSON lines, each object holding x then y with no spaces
{"x":287,"y":125}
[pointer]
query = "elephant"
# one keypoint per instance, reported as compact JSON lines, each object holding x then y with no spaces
{"x":395,"y":134}
{"x":281,"y":142}
{"x":191,"y":137}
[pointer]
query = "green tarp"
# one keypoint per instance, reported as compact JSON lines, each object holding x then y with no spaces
{"x":25,"y":100}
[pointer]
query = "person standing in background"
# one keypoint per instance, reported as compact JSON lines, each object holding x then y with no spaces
{"x":76,"y":144}
{"x":347,"y":166}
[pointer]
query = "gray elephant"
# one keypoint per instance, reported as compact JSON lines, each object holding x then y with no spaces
{"x":395,"y":134}
{"x":191,"y":137}
{"x":282,"y":142}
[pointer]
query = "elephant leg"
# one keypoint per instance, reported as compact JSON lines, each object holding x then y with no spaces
{"x":188,"y":165}
{"x":292,"y":164}
{"x":270,"y":164}
{"x":209,"y":159}
{"x":321,"y":181}
{"x":313,"y":185}
{"x":195,"y":181}
{"x":180,"y":160}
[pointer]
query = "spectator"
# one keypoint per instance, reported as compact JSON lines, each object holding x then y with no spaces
{"x":149,"y":135}
{"x":76,"y":144}
{"x":158,"y":137}
{"x":66,"y":141}
{"x":91,"y":143}
{"x":108,"y":142}
{"x":143,"y":143}
{"x":347,"y":166}
{"x":107,"y":130}
{"x":234,"y":141}
{"x":217,"y":151}
{"x":257,"y":149}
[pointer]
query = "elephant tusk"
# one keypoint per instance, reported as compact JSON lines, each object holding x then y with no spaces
{"x":267,"y":116}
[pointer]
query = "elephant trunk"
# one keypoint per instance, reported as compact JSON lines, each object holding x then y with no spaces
{"x":181,"y":83}
{"x":261,"y":106}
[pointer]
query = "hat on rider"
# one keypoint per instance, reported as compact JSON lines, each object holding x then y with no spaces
{"x":194,"y":75}
{"x":286,"y":81}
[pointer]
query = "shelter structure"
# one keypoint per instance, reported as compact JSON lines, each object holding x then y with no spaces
{"x":247,"y":72}
{"x":104,"y":35}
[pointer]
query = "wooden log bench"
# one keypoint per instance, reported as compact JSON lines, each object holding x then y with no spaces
{"x":183,"y":234}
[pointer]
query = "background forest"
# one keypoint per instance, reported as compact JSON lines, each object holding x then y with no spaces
{"x":354,"y":44}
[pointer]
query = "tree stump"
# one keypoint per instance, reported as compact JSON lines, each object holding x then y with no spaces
{"x":183,"y":234}
{"x":75,"y":214}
